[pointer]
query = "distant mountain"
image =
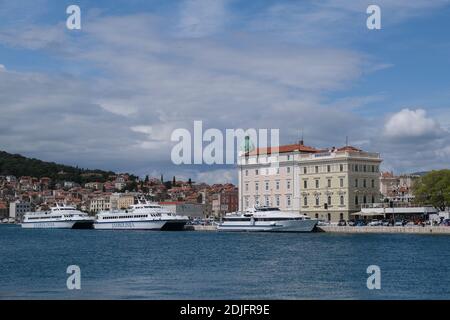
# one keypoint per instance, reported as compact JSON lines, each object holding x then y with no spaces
{"x":422,"y":173}
{"x":17,"y":165}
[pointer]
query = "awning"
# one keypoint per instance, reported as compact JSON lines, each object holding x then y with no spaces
{"x":367,"y":214}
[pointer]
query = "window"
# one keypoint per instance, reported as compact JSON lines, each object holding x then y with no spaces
{"x":373,"y":199}
{"x":267,"y":201}
{"x":317,"y":201}
{"x":289,"y":157}
{"x":256,"y":201}
{"x":288,"y":169}
{"x":341,"y":216}
{"x":341,"y":167}
{"x":277,"y":185}
{"x":341,"y":182}
{"x":316,"y":169}
{"x":256,"y":172}
{"x":305,"y":201}
{"x":256,"y":186}
{"x":342,"y":200}
{"x":356,"y":200}
{"x":288,"y":184}
{"x":317,"y":183}
{"x":317,"y":216}
{"x":246,"y":173}
{"x":305,"y":184}
{"x":267,"y":185}
{"x":373,"y":183}
{"x":277,"y":200}
{"x":329,"y":183}
{"x":365,"y":199}
{"x":328,"y":168}
{"x":365,"y":168}
{"x":364,"y":183}
{"x":356,"y":183}
{"x":278,"y":170}
{"x":288,"y":201}
{"x":246,"y":187}
{"x":329,"y":200}
{"x":305,"y":170}
{"x":356,"y":167}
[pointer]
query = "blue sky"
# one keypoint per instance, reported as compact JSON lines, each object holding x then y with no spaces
{"x":109,"y":95}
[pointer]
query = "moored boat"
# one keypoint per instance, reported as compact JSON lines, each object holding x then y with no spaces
{"x":59,"y":217}
{"x":268,"y":219}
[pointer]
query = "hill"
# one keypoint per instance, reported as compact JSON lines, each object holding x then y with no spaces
{"x":18,"y":165}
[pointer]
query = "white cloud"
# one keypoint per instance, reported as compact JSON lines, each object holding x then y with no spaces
{"x":412,"y":124}
{"x":218,"y":176}
{"x":199,"y":18}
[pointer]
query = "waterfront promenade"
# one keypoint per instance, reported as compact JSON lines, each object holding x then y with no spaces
{"x":348,"y":229}
{"x":380,"y":229}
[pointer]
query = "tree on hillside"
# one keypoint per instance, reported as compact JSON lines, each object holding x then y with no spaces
{"x":433,"y":189}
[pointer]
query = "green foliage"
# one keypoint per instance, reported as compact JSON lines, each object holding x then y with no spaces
{"x":433,"y":189}
{"x":17,"y":165}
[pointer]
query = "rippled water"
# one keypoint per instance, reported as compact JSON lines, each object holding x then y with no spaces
{"x":209,"y":265}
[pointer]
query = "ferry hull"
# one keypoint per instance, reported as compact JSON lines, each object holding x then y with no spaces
{"x":58,"y":225}
{"x":174,"y":225}
{"x":278,"y":226}
{"x":130,"y":225}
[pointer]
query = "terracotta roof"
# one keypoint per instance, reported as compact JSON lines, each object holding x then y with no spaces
{"x":349,"y":148}
{"x":286,"y":148}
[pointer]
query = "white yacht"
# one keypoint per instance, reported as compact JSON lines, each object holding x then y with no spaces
{"x":267,"y":219}
{"x":141,"y":216}
{"x":59,"y":217}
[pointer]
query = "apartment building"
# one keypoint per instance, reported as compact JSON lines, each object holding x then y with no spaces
{"x":224,"y":202}
{"x":326,"y":184}
{"x":99,"y":204}
{"x":121,"y":201}
{"x":18,"y":208}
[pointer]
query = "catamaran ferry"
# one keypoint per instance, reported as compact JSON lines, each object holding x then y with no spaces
{"x":141,"y":216}
{"x":267,"y":219}
{"x":59,"y":217}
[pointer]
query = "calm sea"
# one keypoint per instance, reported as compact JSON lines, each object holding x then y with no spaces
{"x":209,"y":265}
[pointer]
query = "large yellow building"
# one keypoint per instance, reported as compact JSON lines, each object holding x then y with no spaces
{"x":326,"y":184}
{"x":121,"y":201}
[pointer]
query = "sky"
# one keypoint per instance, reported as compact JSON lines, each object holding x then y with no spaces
{"x":110,"y":95}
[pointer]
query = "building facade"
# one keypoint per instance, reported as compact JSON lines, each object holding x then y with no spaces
{"x":397,"y":189}
{"x":192,"y":210}
{"x":325,"y":184}
{"x":18,"y":208}
{"x":224,"y":202}
{"x":121,"y":201}
{"x":99,"y":204}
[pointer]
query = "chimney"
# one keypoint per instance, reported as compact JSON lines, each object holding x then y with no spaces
{"x":301,"y":142}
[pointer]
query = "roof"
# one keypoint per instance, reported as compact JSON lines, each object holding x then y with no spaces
{"x":299,"y":147}
{"x":348,"y":148}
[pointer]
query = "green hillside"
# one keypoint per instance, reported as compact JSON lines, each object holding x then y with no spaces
{"x":17,"y":165}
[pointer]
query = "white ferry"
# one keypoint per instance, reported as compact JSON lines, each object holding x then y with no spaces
{"x":267,"y":219}
{"x":141,"y":216}
{"x":59,"y":217}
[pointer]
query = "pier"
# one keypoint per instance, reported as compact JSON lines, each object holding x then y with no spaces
{"x":390,"y":229}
